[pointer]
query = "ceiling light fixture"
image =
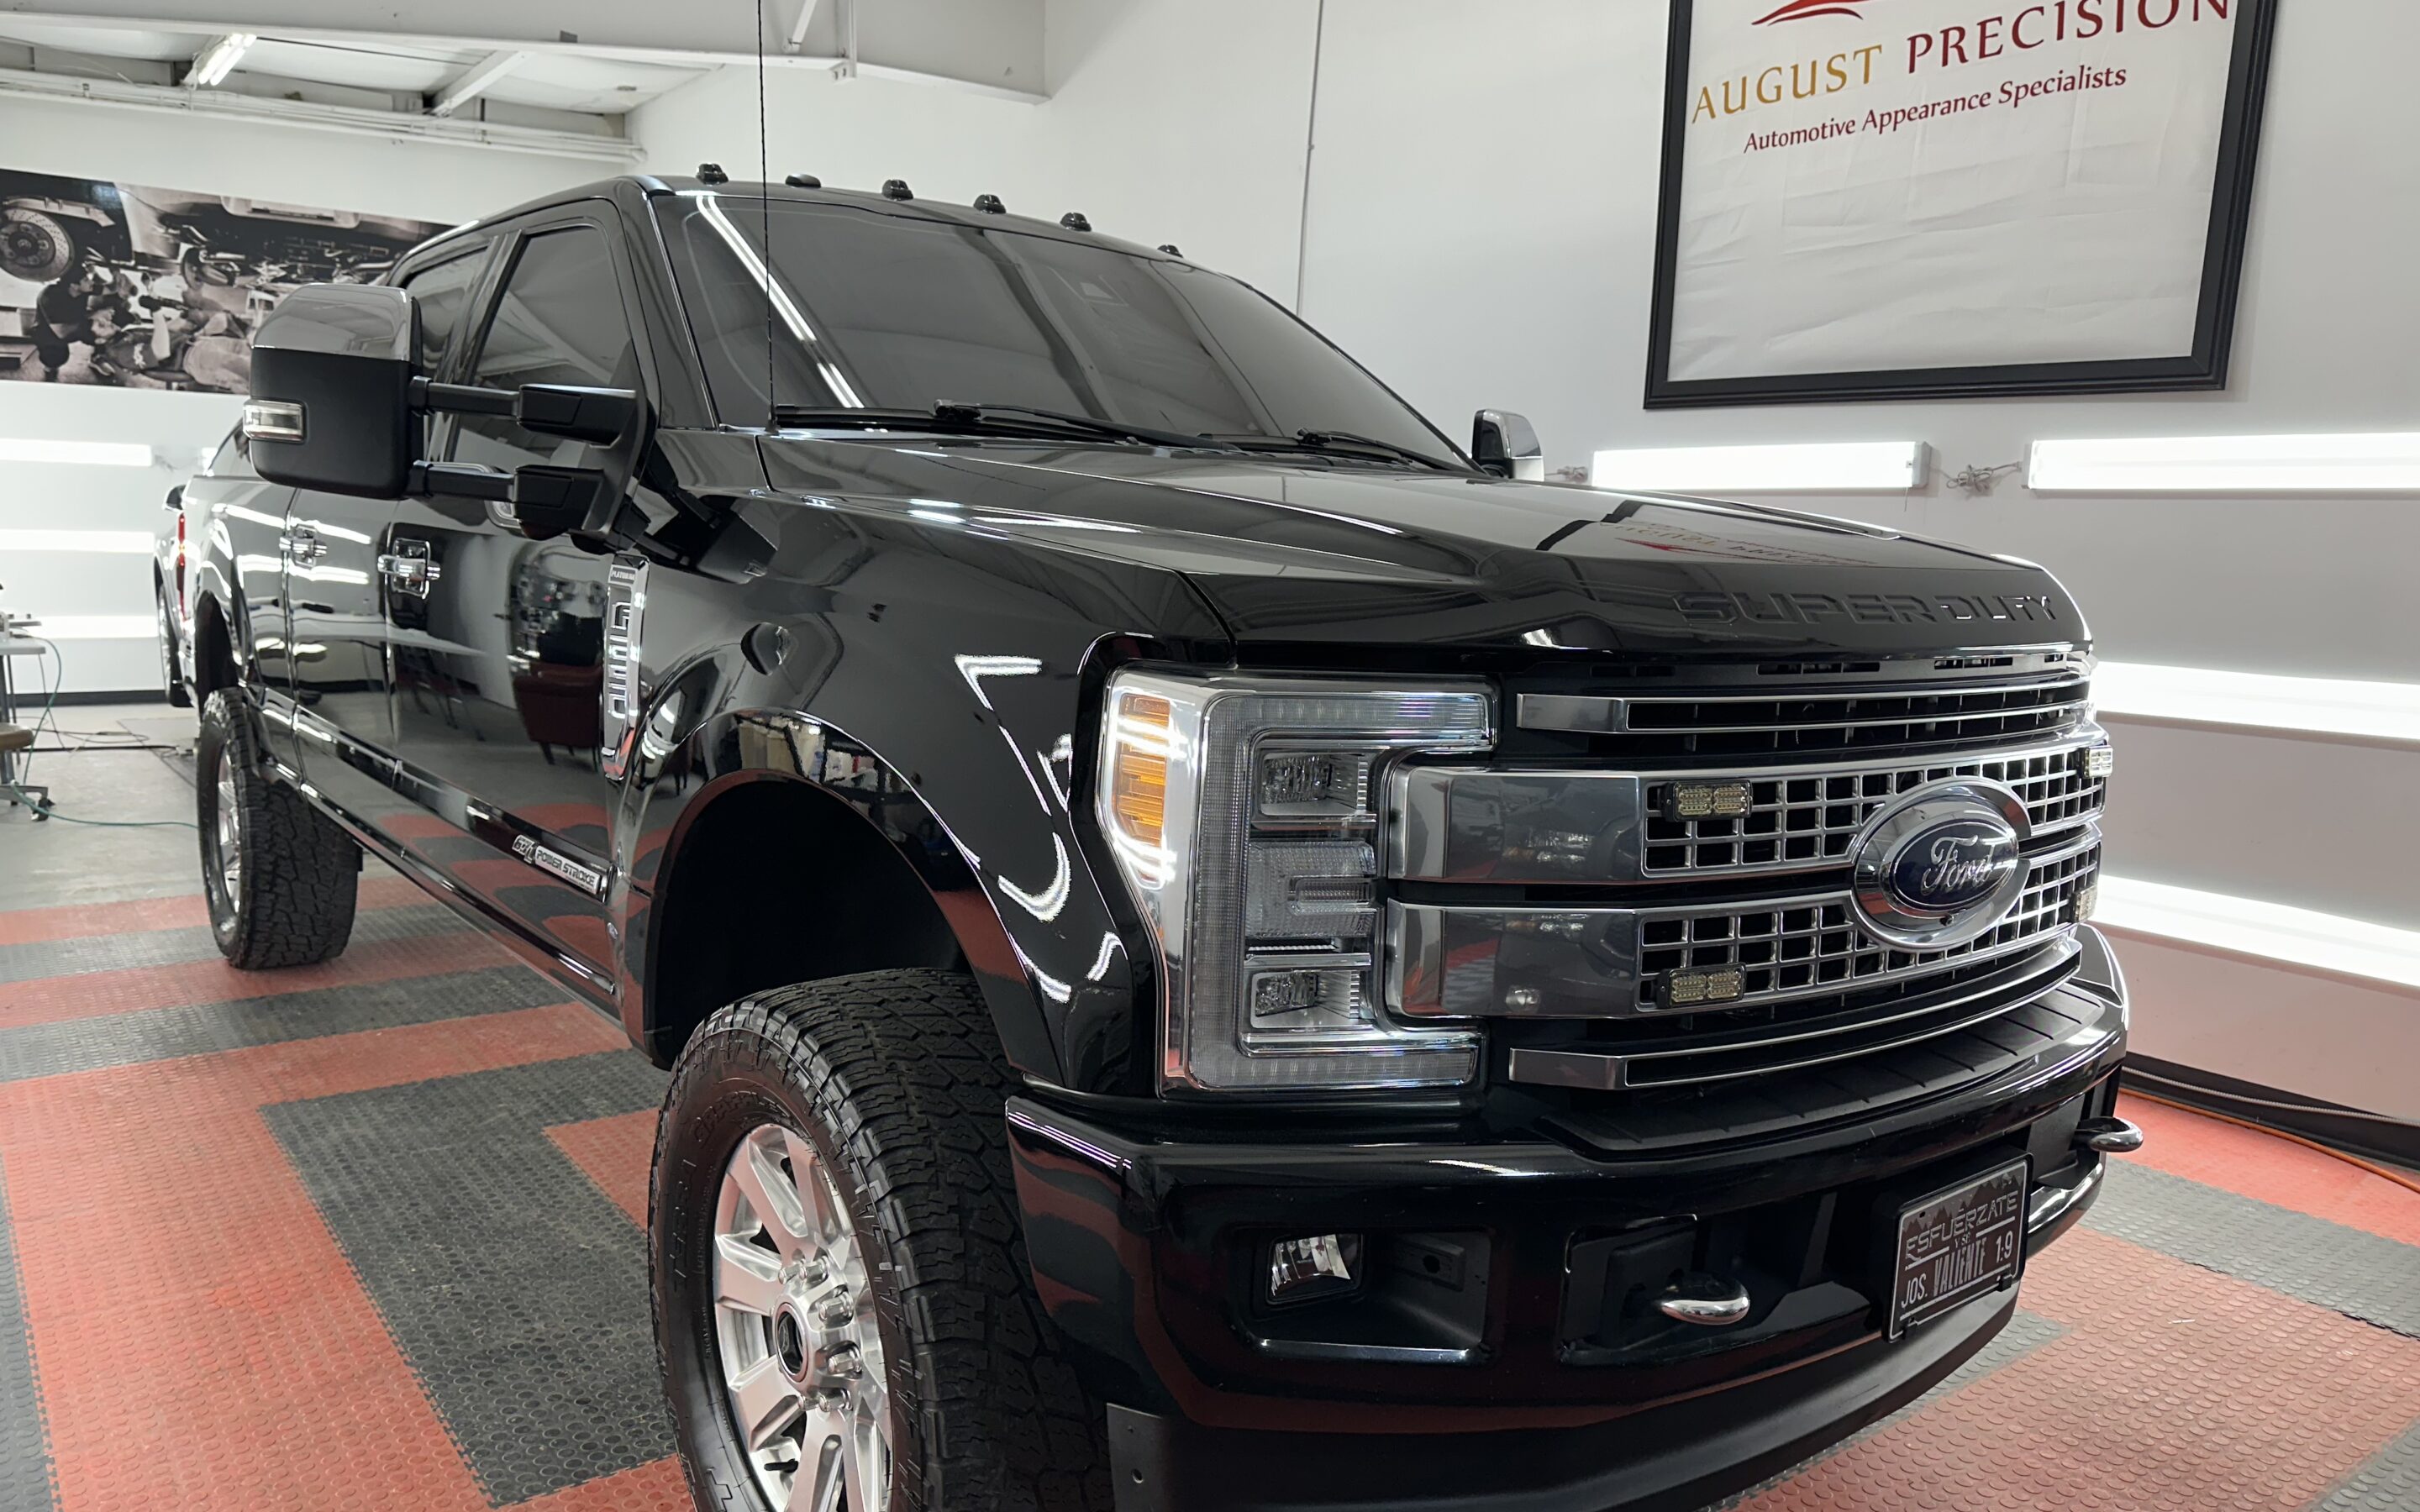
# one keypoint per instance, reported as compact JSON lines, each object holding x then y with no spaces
{"x":1825,"y":467}
{"x":212,"y":64}
{"x":2382,"y":462}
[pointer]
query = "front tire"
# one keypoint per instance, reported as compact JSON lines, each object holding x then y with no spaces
{"x":837,"y":1242}
{"x":279,"y":876}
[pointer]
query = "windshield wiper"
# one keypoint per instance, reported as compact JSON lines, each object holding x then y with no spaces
{"x":1340,"y":442}
{"x":990,"y":419}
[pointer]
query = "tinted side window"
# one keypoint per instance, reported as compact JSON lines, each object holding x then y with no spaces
{"x":558,"y":320}
{"x":443,"y":293}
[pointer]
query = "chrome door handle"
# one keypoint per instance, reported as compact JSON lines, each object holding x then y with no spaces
{"x":301,"y":545}
{"x":1708,"y":1302}
{"x":407,"y":572}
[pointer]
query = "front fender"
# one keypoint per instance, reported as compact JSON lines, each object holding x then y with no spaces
{"x":936,"y":684}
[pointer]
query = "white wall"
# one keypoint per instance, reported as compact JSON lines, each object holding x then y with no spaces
{"x":1481,"y":232}
{"x":417,"y":179}
{"x":1170,"y":121}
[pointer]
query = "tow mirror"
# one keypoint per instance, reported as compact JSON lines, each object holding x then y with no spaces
{"x":331,"y":390}
{"x":1506,"y":445}
{"x":335,"y":406}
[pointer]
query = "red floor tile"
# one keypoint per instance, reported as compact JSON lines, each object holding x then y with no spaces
{"x":201,"y":1342}
{"x":2174,"y":1390}
{"x":134,"y":989}
{"x":26,"y":926}
{"x":2254,"y":1164}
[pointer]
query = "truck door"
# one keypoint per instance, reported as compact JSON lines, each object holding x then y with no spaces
{"x":339,"y":587}
{"x":499,"y":649}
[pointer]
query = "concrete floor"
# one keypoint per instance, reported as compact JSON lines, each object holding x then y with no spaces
{"x":53,"y":861}
{"x":367,"y":1235}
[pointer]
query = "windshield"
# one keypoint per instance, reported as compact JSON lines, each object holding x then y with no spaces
{"x":893,"y":312}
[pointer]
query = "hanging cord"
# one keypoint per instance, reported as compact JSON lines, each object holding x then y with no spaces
{"x":765,"y":213}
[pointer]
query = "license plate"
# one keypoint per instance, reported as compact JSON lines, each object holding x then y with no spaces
{"x":1959,"y":1243}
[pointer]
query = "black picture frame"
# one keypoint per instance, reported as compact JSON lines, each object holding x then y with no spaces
{"x":2203,"y":368}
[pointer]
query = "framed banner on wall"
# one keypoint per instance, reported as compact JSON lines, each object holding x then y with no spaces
{"x":1909,"y":199}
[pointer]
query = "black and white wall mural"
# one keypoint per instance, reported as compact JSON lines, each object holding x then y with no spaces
{"x":129,"y":286}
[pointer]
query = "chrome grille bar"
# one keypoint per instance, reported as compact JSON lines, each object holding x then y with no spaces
{"x":1547,"y":962}
{"x":1727,"y":1059}
{"x":1507,"y":824}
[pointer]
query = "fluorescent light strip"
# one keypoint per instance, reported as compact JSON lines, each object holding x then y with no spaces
{"x":2259,"y":701}
{"x":2385,"y":462}
{"x":96,"y":454}
{"x":2248,"y":926}
{"x":1828,"y":467}
{"x":126,"y":542}
{"x":92,"y":627}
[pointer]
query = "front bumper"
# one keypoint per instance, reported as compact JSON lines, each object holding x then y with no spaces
{"x":1506,"y":1377}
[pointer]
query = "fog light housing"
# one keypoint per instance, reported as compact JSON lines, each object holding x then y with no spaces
{"x":1313,"y":1266}
{"x":2088,"y":898}
{"x":2099,"y":761}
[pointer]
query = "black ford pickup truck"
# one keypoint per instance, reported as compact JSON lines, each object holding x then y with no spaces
{"x":1217,"y":948}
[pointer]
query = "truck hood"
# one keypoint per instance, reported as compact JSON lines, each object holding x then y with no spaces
{"x":1307,"y":554}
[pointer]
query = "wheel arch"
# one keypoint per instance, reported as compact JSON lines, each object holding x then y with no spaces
{"x":802,"y":857}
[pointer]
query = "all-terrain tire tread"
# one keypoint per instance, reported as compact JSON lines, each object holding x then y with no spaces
{"x":301,"y":871}
{"x":904,"y":1069}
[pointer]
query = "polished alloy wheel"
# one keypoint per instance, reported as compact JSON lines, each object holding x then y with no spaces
{"x":229,"y":835}
{"x":794,"y":1324}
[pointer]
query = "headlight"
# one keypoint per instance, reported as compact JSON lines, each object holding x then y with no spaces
{"x":1242,"y":813}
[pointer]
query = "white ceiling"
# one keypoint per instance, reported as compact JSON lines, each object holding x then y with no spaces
{"x":581,"y":82}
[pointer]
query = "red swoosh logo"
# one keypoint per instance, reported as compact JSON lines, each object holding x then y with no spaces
{"x":1801,"y":9}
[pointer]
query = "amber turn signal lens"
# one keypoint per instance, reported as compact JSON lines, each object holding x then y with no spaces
{"x":1138,"y":776}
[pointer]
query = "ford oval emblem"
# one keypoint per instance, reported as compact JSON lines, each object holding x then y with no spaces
{"x":1953,"y":865}
{"x":1940,"y":864}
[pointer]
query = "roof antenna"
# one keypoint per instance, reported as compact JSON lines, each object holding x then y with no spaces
{"x":765,"y":211}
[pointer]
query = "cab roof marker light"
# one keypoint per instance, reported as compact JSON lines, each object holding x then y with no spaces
{"x":2252,"y":926}
{"x":1817,"y":467}
{"x":90,"y":454}
{"x":2260,"y":701}
{"x":2373,"y":462}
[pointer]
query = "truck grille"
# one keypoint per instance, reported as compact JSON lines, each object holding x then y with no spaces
{"x":1634,"y":923}
{"x":1806,"y":945}
{"x":1808,"y":816}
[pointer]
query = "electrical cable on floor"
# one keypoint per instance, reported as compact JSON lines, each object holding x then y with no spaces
{"x":2385,"y":1172}
{"x":50,"y":717}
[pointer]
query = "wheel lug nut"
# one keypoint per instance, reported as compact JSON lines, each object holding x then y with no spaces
{"x":838,"y":1311}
